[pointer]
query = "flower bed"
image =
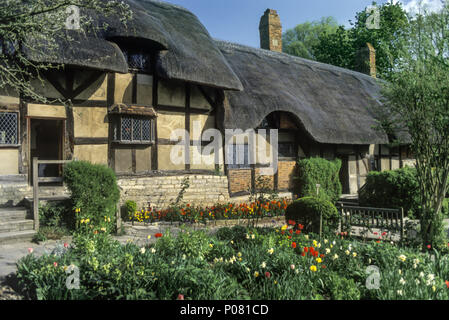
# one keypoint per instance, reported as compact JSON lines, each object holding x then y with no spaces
{"x":196,"y":214}
{"x":237,"y":263}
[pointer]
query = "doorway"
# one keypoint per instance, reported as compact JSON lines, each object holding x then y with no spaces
{"x":47,"y":143}
{"x":344,"y":174}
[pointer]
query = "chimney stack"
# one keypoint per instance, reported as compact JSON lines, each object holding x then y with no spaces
{"x":366,"y":60}
{"x":270,"y":29}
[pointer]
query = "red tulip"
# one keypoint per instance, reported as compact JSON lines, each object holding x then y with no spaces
{"x":267,"y":274}
{"x":293,"y":245}
{"x":180,"y":297}
{"x":158,"y":235}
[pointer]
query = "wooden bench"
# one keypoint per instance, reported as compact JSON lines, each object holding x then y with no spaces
{"x":367,"y":219}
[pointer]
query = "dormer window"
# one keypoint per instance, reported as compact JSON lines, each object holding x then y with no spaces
{"x":138,"y":60}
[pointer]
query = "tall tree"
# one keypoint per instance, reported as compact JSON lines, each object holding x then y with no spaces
{"x":338,"y":45}
{"x":393,"y":24}
{"x":25,"y":23}
{"x":336,"y":48}
{"x":301,"y":40}
{"x":417,"y":98}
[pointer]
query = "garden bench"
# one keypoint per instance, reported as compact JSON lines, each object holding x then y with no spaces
{"x":366,"y":219}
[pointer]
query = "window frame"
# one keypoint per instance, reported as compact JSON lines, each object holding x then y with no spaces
{"x":295,"y":150}
{"x":118,"y":127}
{"x":17,"y":130}
{"x":234,"y":166}
{"x":130,"y":52}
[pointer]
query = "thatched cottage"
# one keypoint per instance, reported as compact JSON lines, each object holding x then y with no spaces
{"x":129,"y":88}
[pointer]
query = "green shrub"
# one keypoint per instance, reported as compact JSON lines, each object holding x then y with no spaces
{"x":56,"y":214}
{"x":236,"y":234}
{"x":320,"y":171}
{"x":392,"y":189}
{"x":306,"y":211}
{"x":95,"y":192}
{"x":131,"y":208}
{"x":341,"y":288}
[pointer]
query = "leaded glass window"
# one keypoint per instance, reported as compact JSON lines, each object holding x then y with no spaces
{"x":8,"y":128}
{"x":134,"y":129}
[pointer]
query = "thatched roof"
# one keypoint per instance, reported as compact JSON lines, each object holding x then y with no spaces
{"x":188,"y":52}
{"x":332,"y":104}
{"x":81,"y":51}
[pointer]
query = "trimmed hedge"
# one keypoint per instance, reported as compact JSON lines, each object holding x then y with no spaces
{"x":391,"y":189}
{"x":306,"y":211}
{"x":95,"y":192}
{"x":315,"y":171}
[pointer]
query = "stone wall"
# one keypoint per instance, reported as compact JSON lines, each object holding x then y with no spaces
{"x":160,"y":191}
{"x":11,"y":194}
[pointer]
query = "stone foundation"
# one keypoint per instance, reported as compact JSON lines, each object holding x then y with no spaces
{"x":204,"y":190}
{"x":12,"y":194}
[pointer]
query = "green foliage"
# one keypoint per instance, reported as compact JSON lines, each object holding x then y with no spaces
{"x":336,"y":48}
{"x":236,"y":234}
{"x":131,"y":208}
{"x":56,"y":214}
{"x":393,"y":24}
{"x":56,"y":220}
{"x":325,"y":42}
{"x":341,"y":288}
{"x":266,"y":266}
{"x":445,"y":208}
{"x":416,"y":101}
{"x":392,"y":189}
{"x":306,"y":211}
{"x":301,"y":40}
{"x":95,"y":192}
{"x":320,"y":171}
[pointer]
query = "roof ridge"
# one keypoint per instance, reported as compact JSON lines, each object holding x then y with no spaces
{"x":291,"y":58}
{"x":165,"y":3}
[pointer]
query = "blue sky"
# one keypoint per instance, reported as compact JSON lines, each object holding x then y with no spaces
{"x":238,"y":20}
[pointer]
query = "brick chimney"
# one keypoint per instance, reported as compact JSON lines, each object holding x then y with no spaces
{"x":366,"y":60}
{"x":270,"y":29}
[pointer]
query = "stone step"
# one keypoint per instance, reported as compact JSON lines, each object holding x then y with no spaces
{"x":12,"y":237}
{"x":48,"y":198}
{"x":16,"y":225}
{"x":9,"y":214}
